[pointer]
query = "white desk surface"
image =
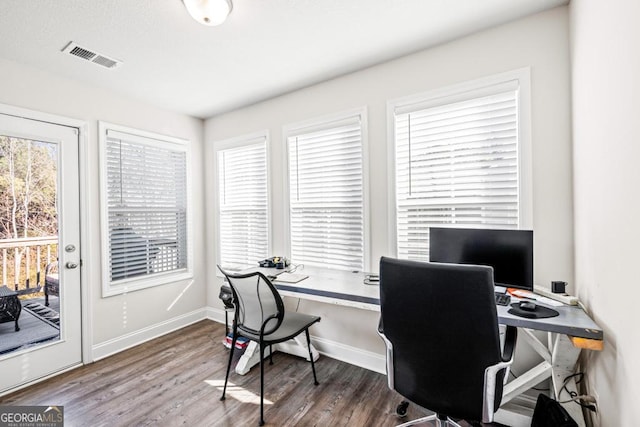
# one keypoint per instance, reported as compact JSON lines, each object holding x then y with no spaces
{"x":348,"y":289}
{"x":571,"y":320}
{"x":329,"y":286}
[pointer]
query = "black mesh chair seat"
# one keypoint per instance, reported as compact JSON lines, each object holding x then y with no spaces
{"x":293,"y":324}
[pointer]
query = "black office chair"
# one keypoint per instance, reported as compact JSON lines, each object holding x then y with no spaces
{"x":440,"y":327}
{"x":260,"y":316}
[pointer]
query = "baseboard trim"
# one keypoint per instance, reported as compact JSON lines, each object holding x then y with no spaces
{"x":355,"y":356}
{"x":217,"y":314}
{"x":124,"y":342}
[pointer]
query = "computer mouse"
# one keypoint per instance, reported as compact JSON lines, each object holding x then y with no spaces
{"x":527,"y":306}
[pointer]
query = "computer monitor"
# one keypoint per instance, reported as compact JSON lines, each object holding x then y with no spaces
{"x":509,"y":252}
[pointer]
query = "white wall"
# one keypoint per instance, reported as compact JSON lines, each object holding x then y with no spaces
{"x":114,"y":317}
{"x":540,"y":42}
{"x":606,"y":133}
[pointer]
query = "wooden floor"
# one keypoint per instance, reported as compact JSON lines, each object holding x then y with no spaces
{"x":176,"y":380}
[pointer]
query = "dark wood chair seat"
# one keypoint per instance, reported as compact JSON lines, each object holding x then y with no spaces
{"x":10,"y":306}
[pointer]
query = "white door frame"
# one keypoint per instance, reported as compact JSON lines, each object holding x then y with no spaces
{"x":85,"y":294}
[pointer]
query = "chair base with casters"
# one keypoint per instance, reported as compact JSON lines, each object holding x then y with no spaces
{"x":260,"y":316}
{"x":441,"y":421}
{"x":401,"y":409}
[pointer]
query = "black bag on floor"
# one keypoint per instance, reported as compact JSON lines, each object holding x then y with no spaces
{"x":550,"y":413}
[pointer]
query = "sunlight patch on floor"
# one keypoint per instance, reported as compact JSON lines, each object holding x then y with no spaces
{"x":238,"y":393}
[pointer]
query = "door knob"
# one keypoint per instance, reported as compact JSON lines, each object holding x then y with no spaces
{"x":71,"y":264}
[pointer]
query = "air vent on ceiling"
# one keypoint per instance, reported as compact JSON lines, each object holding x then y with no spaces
{"x":91,"y":56}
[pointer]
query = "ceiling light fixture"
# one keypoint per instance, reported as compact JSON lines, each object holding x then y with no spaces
{"x":209,"y":12}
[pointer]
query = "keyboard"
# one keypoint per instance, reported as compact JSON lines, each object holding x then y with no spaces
{"x":502,"y":299}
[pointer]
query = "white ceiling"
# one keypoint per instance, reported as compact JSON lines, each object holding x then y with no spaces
{"x":265,"y":48}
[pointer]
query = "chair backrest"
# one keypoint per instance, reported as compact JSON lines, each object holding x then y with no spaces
{"x":442,"y":324}
{"x":258,"y":303}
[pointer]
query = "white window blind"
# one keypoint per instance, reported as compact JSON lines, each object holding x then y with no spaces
{"x":456,"y":164}
{"x":243,"y":204}
{"x":326,"y":195}
{"x":146,"y":197}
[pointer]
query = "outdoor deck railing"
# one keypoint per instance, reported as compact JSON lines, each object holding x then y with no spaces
{"x":24,"y":261}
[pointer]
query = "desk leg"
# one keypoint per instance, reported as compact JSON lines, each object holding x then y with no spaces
{"x":564,"y":357}
{"x":559,"y":364}
{"x":250,"y":358}
{"x":525,"y":381}
{"x":298,"y":347}
{"x":534,"y":375}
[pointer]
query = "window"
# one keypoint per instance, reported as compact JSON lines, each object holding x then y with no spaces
{"x":243,"y":203}
{"x":326,"y":193}
{"x":461,"y":159}
{"x":145,"y":209}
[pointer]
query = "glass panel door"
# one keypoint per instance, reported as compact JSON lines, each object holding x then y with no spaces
{"x":40,"y":329}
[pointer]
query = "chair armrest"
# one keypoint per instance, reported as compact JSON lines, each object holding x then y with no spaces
{"x":491,"y":373}
{"x":511,"y":337}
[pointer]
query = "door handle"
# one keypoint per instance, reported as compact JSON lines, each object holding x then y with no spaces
{"x":71,"y":264}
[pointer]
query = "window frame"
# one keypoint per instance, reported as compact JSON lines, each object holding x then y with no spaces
{"x":109,"y":287}
{"x":323,"y":122}
{"x":451,"y":94}
{"x":236,"y":142}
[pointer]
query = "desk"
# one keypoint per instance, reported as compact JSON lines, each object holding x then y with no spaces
{"x":567,"y":333}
